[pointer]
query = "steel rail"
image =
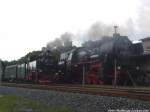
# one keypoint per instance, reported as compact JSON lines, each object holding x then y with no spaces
{"x":126,"y":92}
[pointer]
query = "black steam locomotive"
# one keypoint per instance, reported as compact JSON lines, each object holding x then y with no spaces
{"x":111,"y":61}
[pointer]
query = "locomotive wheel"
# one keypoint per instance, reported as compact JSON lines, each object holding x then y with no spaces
{"x":141,"y":79}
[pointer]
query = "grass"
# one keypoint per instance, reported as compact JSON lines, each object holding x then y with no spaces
{"x":12,"y":103}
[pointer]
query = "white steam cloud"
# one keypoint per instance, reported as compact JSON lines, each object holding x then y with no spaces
{"x":143,"y":20}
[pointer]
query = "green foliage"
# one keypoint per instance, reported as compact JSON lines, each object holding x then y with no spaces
{"x":12,"y":103}
{"x":28,"y":57}
{"x":6,"y":63}
{"x":55,"y":47}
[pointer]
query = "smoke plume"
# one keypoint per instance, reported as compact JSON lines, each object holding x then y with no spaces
{"x":99,"y":30}
{"x":63,"y":41}
{"x":135,"y":28}
{"x":66,"y":39}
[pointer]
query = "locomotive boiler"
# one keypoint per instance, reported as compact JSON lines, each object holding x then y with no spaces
{"x":70,"y":64}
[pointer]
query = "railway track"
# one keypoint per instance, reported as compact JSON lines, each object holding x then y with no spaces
{"x":127,"y":92}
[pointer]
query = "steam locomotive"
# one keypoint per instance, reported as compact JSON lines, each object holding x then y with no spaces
{"x":111,"y":62}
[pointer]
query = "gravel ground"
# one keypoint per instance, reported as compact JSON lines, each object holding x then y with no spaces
{"x":80,"y":102}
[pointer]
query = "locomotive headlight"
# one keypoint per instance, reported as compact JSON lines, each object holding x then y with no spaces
{"x":75,"y":65}
{"x":119,"y":67}
{"x":137,"y":68}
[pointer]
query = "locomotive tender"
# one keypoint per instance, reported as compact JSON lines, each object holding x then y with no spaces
{"x":111,"y":62}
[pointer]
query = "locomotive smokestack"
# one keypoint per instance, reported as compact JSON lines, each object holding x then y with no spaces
{"x":115,"y":33}
{"x":115,"y":28}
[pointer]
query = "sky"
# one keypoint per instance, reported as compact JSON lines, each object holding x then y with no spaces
{"x":27,"y":25}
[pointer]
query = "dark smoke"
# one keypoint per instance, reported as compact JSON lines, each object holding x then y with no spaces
{"x":99,"y":30}
{"x":66,"y":39}
{"x":63,"y":41}
{"x":134,"y":28}
{"x":54,"y":44}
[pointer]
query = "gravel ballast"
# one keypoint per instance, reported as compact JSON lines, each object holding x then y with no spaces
{"x":80,"y":102}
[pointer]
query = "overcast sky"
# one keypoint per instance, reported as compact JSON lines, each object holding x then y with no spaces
{"x":27,"y":25}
